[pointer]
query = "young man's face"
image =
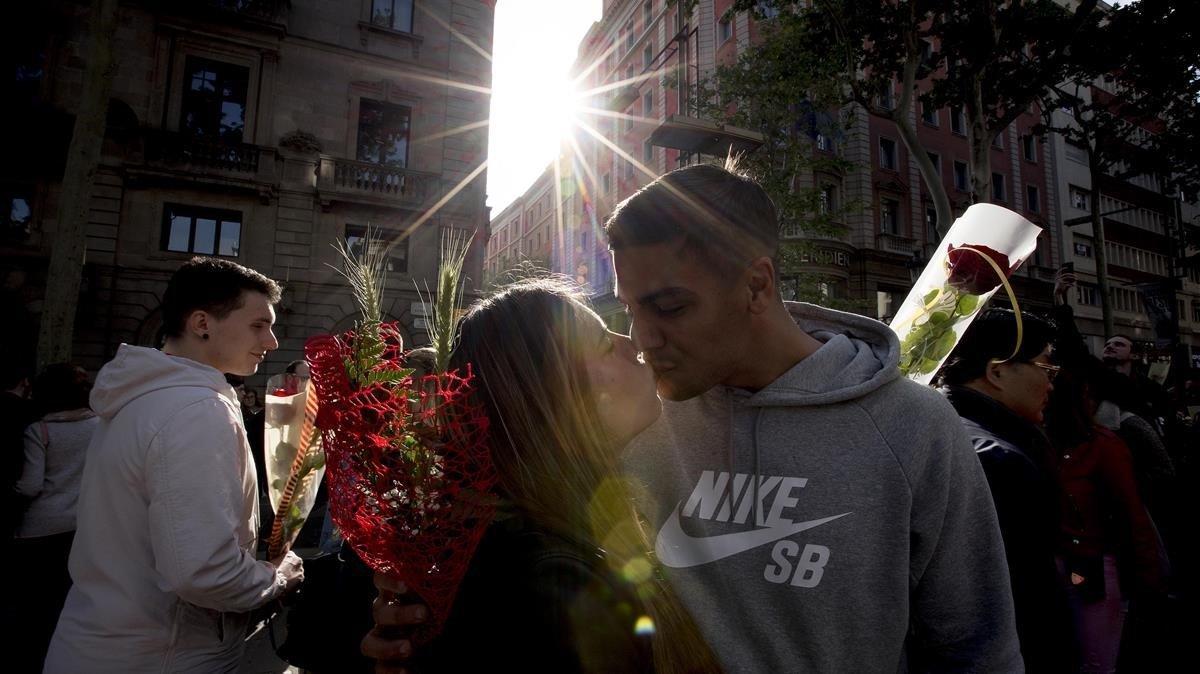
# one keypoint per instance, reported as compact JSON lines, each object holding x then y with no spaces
{"x":1117,"y":350}
{"x":687,"y":320}
{"x":241,"y":340}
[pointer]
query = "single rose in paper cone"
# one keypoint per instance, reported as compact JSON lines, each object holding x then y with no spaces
{"x":970,"y":273}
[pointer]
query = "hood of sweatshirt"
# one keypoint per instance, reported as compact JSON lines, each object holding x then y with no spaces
{"x":138,"y":370}
{"x":858,"y":356}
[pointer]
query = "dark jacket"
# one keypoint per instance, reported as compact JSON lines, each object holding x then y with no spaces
{"x":534,"y":601}
{"x":1016,"y":458}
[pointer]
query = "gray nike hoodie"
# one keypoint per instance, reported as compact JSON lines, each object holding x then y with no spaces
{"x":835,"y":521}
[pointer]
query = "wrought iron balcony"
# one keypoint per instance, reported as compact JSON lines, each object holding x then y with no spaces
{"x":350,"y":180}
{"x":268,"y":14}
{"x":198,"y":153}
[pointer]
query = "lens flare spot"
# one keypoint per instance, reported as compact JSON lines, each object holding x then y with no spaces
{"x":637,"y":570}
{"x":644,"y":626}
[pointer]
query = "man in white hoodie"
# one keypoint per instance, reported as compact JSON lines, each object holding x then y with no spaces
{"x":163,"y":561}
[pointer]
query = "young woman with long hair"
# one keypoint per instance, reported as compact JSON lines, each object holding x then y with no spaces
{"x":564,"y":579}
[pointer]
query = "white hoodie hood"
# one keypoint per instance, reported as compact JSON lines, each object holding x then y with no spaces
{"x":138,"y":370}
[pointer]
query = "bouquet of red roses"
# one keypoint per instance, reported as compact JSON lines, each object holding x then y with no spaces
{"x":981,"y":250}
{"x":407,"y":458}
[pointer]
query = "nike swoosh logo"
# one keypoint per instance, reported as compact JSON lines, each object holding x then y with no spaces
{"x":676,"y":549}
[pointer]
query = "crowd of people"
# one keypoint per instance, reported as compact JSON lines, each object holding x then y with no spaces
{"x":740,"y":484}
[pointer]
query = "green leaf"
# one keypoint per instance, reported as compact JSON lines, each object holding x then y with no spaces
{"x":967,"y":304}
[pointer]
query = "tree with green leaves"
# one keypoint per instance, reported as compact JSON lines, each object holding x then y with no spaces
{"x":1130,"y":99}
{"x":991,"y":57}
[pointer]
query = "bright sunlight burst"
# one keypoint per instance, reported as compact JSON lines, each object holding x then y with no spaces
{"x":534,"y":103}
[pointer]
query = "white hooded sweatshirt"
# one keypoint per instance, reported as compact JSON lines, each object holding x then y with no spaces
{"x":163,"y":562}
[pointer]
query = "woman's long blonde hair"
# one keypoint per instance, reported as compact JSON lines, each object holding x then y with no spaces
{"x":555,"y":460}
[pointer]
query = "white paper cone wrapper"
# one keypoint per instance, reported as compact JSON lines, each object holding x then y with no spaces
{"x":987,"y":225}
{"x":282,"y":425}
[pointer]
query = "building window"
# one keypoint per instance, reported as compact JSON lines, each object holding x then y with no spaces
{"x":383,"y":133}
{"x":205,"y":231}
{"x":647,"y":152}
{"x":958,"y":120}
{"x":1083,"y":247}
{"x":628,"y":168}
{"x":214,"y":99}
{"x":648,"y":56}
{"x":887,"y":303}
{"x":17,"y":214}
{"x":929,"y":114}
{"x":629,"y":119}
{"x":961,"y":177}
{"x":1195,"y":312}
{"x":931,"y":230}
{"x":394,"y":14}
{"x":648,"y":103}
{"x":824,"y":143}
{"x":1033,"y":201}
{"x":394,"y":250}
{"x":647,"y":13}
{"x":1080,"y":198}
{"x":827,"y":199}
{"x":606,"y":182}
{"x":998,"y":141}
{"x":998,"y":187}
{"x":887,"y":97}
{"x":889,"y":216}
{"x":1087,"y":295}
{"x":724,"y":30}
{"x":887,"y":153}
{"x":1029,"y":148}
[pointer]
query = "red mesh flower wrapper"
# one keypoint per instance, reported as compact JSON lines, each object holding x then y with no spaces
{"x":408,"y":467}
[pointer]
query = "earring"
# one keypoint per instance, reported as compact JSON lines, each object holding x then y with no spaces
{"x":204,"y":336}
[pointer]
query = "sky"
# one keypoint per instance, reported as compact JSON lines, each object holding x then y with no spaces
{"x":534,"y":45}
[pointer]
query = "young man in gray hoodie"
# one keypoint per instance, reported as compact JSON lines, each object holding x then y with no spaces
{"x":163,"y":560}
{"x":814,"y":510}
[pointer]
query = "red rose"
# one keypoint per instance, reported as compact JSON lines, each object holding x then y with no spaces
{"x":969,"y":271}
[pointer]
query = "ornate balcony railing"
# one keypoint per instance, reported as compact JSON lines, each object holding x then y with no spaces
{"x":177,"y":149}
{"x":360,"y":180}
{"x":895,"y":243}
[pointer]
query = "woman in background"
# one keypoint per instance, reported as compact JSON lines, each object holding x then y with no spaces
{"x":55,"y":450}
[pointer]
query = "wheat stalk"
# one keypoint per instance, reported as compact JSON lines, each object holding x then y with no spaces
{"x":448,"y":302}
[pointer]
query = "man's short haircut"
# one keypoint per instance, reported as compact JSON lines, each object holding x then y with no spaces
{"x":992,"y":336}
{"x":211,"y":285}
{"x":1133,"y":345}
{"x":717,"y":211}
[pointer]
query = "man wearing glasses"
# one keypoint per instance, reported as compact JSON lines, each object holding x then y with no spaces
{"x":1000,"y":388}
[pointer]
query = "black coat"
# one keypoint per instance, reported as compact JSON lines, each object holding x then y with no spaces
{"x":1016,"y":457}
{"x":537,"y":602}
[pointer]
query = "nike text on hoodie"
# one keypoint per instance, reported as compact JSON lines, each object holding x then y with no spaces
{"x":835,"y":521}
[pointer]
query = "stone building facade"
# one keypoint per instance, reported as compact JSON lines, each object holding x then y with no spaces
{"x":258,"y":131}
